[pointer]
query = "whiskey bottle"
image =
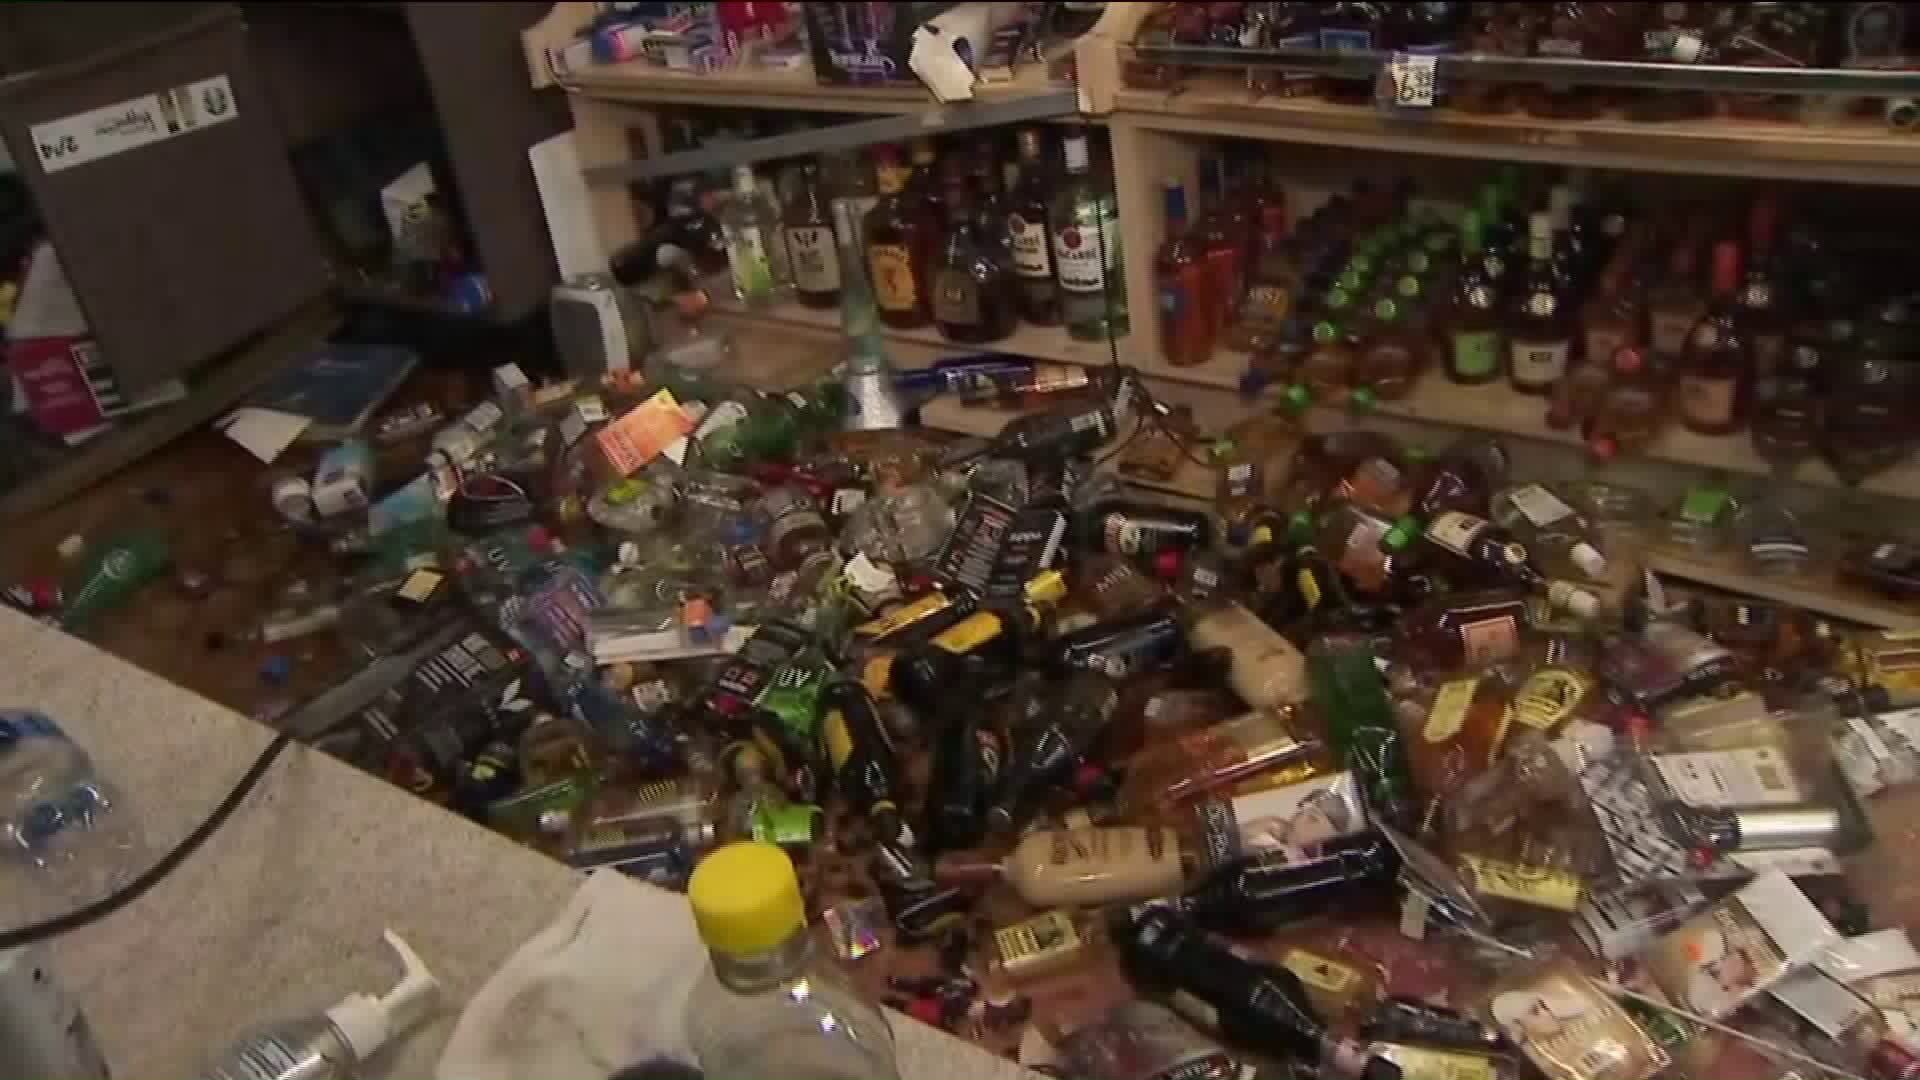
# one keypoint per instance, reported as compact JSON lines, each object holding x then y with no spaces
{"x":811,"y":250}
{"x":1537,"y":330}
{"x":1716,"y":368}
{"x":896,"y":234}
{"x":973,"y":298}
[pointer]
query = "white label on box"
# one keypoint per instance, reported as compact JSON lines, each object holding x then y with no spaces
{"x":1750,"y":776}
{"x":131,"y":124}
{"x":1821,"y":992}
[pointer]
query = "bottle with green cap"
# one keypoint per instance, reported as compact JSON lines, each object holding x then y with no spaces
{"x":768,"y":1004}
{"x":1396,"y":351}
{"x":1327,"y":369}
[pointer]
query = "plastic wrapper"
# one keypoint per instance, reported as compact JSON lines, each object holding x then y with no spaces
{"x":1569,"y":1028}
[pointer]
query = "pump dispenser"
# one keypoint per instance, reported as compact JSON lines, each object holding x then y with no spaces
{"x":336,"y":1043}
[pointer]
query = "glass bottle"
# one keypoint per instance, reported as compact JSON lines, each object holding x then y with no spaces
{"x":1196,"y":762}
{"x":1028,"y":237}
{"x":755,"y":253}
{"x":1076,"y":867}
{"x":811,"y":249}
{"x":1086,"y":250}
{"x":1675,"y":305}
{"x":1463,"y":477}
{"x":1716,"y":368}
{"x":1468,"y":629}
{"x":926,"y":181}
{"x":1397,"y":351}
{"x":872,"y":396}
{"x":1761,"y":319}
{"x":1327,"y":369}
{"x":1632,"y":409}
{"x":896,"y":235}
{"x":1460,"y":733}
{"x":1183,"y":287}
{"x":1611,"y":319}
{"x":1263,"y":668}
{"x":1537,"y":330}
{"x":1482,"y":543}
{"x":768,"y":1005}
{"x":1274,"y":889}
{"x":1221,"y":241}
{"x":1476,"y":347}
{"x":1556,"y":535}
{"x":973,"y":297}
{"x":1273,"y":287}
{"x":1355,"y":541}
{"x":694,"y":229}
{"x":989,"y":198}
{"x":848,"y":178}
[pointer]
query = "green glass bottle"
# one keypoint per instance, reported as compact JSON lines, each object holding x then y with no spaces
{"x":1086,"y":251}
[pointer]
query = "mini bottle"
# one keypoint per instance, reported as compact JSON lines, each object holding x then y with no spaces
{"x":767,"y":1005}
{"x":1274,"y":889}
{"x":340,"y":1040}
{"x":1200,"y":761}
{"x":1070,"y":867}
{"x":1266,"y":670}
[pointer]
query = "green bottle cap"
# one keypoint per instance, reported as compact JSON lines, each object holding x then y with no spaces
{"x":1362,"y":399}
{"x":1401,"y":534}
{"x":1297,"y":399}
{"x":1361,"y":263}
{"x":1221,"y":449}
{"x":1385,"y":309}
{"x":1326,"y":332}
{"x":1350,"y":280}
{"x":1470,"y":227}
{"x":1339,"y":296}
{"x":1299,"y":525}
{"x":1418,"y":261}
{"x":1417,"y":453}
{"x":1408,"y":287}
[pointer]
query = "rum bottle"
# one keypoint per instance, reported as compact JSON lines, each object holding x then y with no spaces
{"x":1327,"y":369}
{"x":1273,"y":287}
{"x":973,"y":298}
{"x":1716,"y":369}
{"x":1537,"y":331}
{"x":1086,"y":251}
{"x":897,"y":234}
{"x":1183,"y":286}
{"x":1028,"y":238}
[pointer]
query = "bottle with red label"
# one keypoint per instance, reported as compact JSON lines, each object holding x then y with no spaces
{"x":1183,"y":286}
{"x":1716,"y":370}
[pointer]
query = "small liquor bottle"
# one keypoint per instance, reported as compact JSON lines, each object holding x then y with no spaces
{"x":1675,"y":304}
{"x":1611,"y":319}
{"x":1327,"y":369}
{"x":1538,"y":333}
{"x":811,"y":250}
{"x":973,"y":298}
{"x":1027,"y":235}
{"x":896,"y":235}
{"x":1632,"y":409}
{"x":1476,"y":345}
{"x":1397,"y":352}
{"x":1183,"y":287}
{"x":1716,"y":369}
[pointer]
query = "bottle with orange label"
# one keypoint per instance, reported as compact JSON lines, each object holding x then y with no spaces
{"x":1200,"y":761}
{"x":1461,"y":733}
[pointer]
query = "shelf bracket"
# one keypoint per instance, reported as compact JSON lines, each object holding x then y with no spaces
{"x":944,"y":119}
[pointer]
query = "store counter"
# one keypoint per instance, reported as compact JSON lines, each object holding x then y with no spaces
{"x":281,"y":913}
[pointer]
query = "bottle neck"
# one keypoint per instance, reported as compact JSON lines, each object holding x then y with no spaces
{"x":752,"y":973}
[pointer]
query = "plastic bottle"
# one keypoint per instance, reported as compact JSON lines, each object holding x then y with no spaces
{"x":110,"y":573}
{"x":766,"y":1006}
{"x":56,"y":813}
{"x":337,"y":1042}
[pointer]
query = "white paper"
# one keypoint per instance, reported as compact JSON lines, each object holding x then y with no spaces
{"x":88,"y":136}
{"x":266,"y":433}
{"x":564,"y":200}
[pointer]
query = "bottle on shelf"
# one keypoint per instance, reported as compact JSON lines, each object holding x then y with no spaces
{"x":897,"y":234}
{"x":1396,"y":350}
{"x":973,"y":296}
{"x":1085,"y":218}
{"x":1028,"y":237}
{"x":873,"y":397}
{"x":989,"y":197}
{"x":1221,"y":241}
{"x":1274,"y":287}
{"x":1538,"y":334}
{"x":1612,"y":317}
{"x":756,"y":253}
{"x":1762,"y":321}
{"x":1716,"y":369}
{"x":1632,"y":408}
{"x":812,"y":252}
{"x":1183,"y":286}
{"x":1475,"y":333}
{"x":1327,"y":369}
{"x":768,"y":1003}
{"x":1675,"y":304}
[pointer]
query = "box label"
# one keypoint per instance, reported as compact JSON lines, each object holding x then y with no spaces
{"x":131,"y":124}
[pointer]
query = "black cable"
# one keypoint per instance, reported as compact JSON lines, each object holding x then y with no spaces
{"x":89,"y":914}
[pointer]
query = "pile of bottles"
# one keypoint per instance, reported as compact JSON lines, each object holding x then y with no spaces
{"x":966,"y":237}
{"x":1779,"y":35}
{"x":1385,"y":765}
{"x":1719,"y":319}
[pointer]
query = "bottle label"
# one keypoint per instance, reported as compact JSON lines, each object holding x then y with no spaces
{"x":1077,"y":251}
{"x":1476,"y":353}
{"x":892,"y":268}
{"x":1347,"y":40}
{"x":1539,"y":886}
{"x":1603,"y":342}
{"x":1456,"y":531}
{"x":1448,"y":713}
{"x":956,"y":299}
{"x":1749,"y":776}
{"x":752,"y":273}
{"x":1489,"y":640}
{"x":1539,"y":506}
{"x":1668,"y":331}
{"x":1028,"y":243}
{"x":1173,"y":303}
{"x":1309,"y":589}
{"x":1429,"y":1064}
{"x":1539,"y":363}
{"x":1703,"y":506}
{"x":816,"y":264}
{"x":798,"y":518}
{"x":1708,"y":399}
{"x":969,"y":633}
{"x":1319,"y":972}
{"x":1549,"y":697}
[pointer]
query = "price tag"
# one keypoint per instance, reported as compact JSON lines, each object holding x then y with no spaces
{"x":1411,"y":81}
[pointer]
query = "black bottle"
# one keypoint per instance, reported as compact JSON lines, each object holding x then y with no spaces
{"x":1076,"y":429}
{"x":1119,"y":648}
{"x":861,"y":756}
{"x":966,"y":769}
{"x":1141,"y":530}
{"x":1050,"y":736}
{"x":1272,"y":890}
{"x":1260,"y":1006}
{"x":1405,"y":1020}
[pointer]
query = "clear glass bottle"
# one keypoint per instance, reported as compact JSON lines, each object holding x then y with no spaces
{"x":1086,"y":251}
{"x":756,"y":254}
{"x":767,"y":1004}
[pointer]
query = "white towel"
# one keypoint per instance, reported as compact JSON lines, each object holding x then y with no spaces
{"x":605,"y":986}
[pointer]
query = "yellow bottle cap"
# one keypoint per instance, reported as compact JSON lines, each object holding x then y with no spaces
{"x":746,"y":898}
{"x":1046,"y":587}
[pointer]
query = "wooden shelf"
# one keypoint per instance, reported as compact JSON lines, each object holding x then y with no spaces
{"x":1848,"y":150}
{"x":1819,"y":593}
{"x":1037,"y":342}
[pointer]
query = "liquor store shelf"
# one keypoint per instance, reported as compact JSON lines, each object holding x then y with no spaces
{"x":1193,"y":482}
{"x":1037,"y":342}
{"x":1844,"y":149}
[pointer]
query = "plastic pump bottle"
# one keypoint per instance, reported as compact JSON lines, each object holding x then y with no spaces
{"x":337,"y":1042}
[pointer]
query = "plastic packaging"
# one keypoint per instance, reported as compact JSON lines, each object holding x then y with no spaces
{"x":59,"y":815}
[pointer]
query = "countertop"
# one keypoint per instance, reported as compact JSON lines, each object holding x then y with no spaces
{"x":281,"y":913}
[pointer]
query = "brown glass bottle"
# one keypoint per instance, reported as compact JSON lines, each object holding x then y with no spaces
{"x":972,"y":285}
{"x":1398,"y":349}
{"x":1716,"y":368}
{"x":897,"y":236}
{"x":1612,"y":318}
{"x":1675,"y":305}
{"x":812,"y":256}
{"x":1762,"y":320}
{"x":1538,"y":328}
{"x":1027,"y":235}
{"x":1460,"y":734}
{"x":1632,"y":408}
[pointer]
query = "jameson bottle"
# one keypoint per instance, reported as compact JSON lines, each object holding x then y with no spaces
{"x":1086,"y":251}
{"x":1027,"y":237}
